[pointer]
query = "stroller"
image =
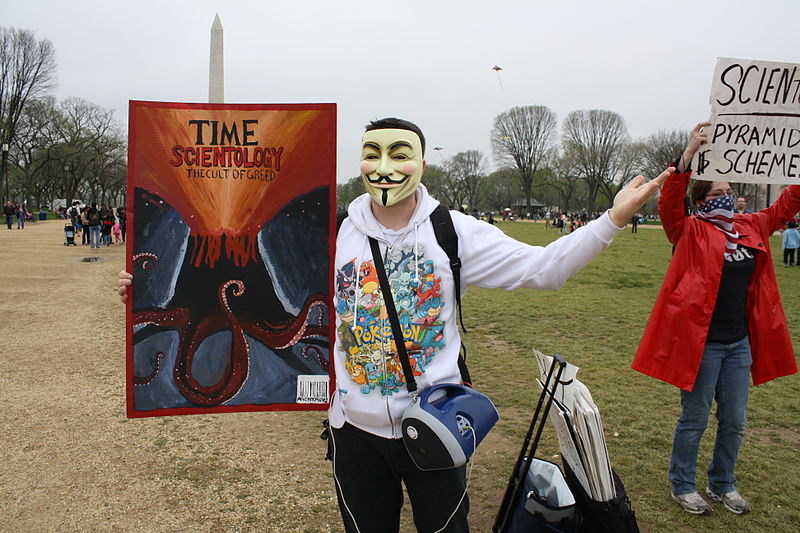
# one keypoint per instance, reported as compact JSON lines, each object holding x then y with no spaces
{"x":69,"y":235}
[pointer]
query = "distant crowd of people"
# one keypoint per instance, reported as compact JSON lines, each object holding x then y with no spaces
{"x":97,"y":225}
{"x":566,"y":222}
{"x":14,"y":211}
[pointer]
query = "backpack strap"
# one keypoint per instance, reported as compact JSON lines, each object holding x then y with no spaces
{"x":447,"y":238}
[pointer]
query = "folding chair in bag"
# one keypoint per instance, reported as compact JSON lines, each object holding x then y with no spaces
{"x":537,"y":497}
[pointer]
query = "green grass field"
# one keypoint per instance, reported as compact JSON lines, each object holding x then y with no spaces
{"x":596,"y":321}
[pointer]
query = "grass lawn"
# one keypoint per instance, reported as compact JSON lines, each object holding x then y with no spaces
{"x":596,"y":321}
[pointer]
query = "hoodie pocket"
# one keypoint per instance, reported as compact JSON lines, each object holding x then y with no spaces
{"x":366,"y":410}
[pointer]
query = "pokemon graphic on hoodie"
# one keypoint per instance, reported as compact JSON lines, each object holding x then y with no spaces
{"x":364,"y":332}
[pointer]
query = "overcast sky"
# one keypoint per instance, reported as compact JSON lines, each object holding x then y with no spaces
{"x":427,"y":61}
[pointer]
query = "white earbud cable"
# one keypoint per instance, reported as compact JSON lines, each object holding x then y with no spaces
{"x":466,"y":486}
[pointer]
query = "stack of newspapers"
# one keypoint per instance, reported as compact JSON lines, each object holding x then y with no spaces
{"x":580,"y":431}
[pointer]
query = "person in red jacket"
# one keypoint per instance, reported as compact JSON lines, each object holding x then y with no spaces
{"x":717,"y":320}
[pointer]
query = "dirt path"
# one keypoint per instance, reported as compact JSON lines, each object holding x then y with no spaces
{"x":72,"y":462}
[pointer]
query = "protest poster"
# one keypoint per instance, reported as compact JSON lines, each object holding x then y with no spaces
{"x":755,"y":131}
{"x":231,"y":228}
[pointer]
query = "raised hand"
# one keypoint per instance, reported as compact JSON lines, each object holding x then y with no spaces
{"x":697,"y":138}
{"x":634,"y":195}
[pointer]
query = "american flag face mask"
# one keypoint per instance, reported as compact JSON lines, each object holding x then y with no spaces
{"x":719,"y":212}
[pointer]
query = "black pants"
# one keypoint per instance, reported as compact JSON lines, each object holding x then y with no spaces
{"x":368,"y":472}
{"x":788,"y":256}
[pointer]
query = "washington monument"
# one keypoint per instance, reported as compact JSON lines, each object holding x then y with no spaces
{"x":216,"y":71}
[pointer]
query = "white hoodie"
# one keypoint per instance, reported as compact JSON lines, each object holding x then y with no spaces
{"x":370,"y":387}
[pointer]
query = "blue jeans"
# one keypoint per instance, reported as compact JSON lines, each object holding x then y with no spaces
{"x":94,"y":236}
{"x":725,"y":376}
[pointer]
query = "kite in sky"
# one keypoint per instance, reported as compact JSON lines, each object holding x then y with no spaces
{"x":497,"y":70}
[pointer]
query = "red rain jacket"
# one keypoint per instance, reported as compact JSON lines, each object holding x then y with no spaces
{"x":672,"y":345}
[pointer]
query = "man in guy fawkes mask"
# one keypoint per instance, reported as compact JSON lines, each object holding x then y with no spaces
{"x":370,"y":462}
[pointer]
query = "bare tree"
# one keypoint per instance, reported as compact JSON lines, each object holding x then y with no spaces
{"x":597,"y":138}
{"x":27,"y":72}
{"x":521,"y":138}
{"x":92,"y":147}
{"x":629,"y":165}
{"x":110,"y":172}
{"x":661,"y":149}
{"x":441,"y":186}
{"x":499,"y":190}
{"x":466,"y":170}
{"x":563,"y":176}
{"x":35,"y":137}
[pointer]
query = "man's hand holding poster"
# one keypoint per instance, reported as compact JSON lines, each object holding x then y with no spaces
{"x":755,"y":132}
{"x":230,"y":208}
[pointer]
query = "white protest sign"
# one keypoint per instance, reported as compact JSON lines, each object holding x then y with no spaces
{"x":755,"y":131}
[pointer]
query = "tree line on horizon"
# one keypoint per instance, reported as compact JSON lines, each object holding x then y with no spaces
{"x":68,"y":149}
{"x":580,"y":170}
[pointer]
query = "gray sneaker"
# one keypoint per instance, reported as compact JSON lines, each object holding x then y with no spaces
{"x":731,"y":500}
{"x":692,"y":502}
